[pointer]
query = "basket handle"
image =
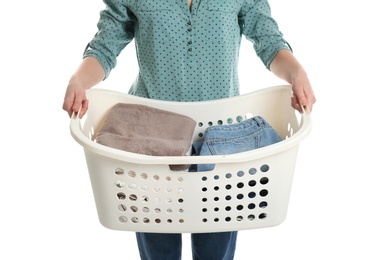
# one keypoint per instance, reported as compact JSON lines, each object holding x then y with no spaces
{"x":75,"y":115}
{"x":306,"y":110}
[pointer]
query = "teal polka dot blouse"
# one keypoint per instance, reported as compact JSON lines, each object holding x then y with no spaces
{"x":185,"y":54}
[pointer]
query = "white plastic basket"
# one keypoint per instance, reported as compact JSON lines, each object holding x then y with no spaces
{"x":247,"y":190}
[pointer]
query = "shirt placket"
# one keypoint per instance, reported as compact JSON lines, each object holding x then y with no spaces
{"x":189,"y":43}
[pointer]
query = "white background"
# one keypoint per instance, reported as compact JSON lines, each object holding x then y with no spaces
{"x":340,"y":197}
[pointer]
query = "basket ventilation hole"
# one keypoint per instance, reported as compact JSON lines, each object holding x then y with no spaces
{"x":263,"y":204}
{"x":123,"y":219}
{"x":251,"y":206}
{"x":122,"y":207}
{"x":262,"y":216}
{"x":91,"y":133}
{"x":119,"y":171}
{"x":263,"y":193}
{"x":251,"y":217}
{"x":264,"y":180}
{"x":156,"y":177}
{"x":248,"y":115}
{"x":252,"y":183}
{"x":144,"y":176}
{"x":264,"y":168}
{"x":121,"y":196}
{"x":133,"y":197}
{"x":131,"y":174}
{"x":120,"y":184}
{"x":230,"y":121}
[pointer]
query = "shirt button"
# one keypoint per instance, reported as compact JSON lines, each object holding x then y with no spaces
{"x":189,"y":22}
{"x":189,"y":42}
{"x":189,"y":49}
{"x":189,"y":30}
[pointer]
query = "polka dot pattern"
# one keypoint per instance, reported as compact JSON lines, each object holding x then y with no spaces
{"x":185,"y":55}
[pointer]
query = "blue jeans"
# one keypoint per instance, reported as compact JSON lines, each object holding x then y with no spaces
{"x":218,"y":140}
{"x":205,"y":246}
{"x":248,"y":135}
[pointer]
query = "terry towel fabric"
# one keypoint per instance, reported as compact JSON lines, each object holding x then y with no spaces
{"x":146,"y":130}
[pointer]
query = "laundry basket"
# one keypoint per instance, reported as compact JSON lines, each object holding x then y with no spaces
{"x":135,"y":192}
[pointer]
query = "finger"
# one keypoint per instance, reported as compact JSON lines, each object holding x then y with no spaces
{"x":84,"y":108}
{"x":295,"y":104}
{"x":68,"y":105}
{"x":77,"y":102}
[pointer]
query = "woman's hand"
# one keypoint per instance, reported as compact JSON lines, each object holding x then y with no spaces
{"x":89,"y":73}
{"x":303,"y":94}
{"x":75,"y":100}
{"x":286,"y":66}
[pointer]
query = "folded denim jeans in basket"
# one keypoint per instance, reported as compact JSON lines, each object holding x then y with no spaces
{"x":247,"y":135}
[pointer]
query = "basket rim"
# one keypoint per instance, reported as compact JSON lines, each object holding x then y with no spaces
{"x":78,"y":136}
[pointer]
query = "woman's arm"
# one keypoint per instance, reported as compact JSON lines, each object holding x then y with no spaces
{"x":89,"y":73}
{"x":286,"y":66}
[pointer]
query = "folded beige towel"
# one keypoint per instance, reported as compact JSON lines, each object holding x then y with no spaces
{"x":147,"y":130}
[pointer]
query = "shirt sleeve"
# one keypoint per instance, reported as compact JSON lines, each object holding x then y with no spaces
{"x":262,"y":30}
{"x":115,"y":31}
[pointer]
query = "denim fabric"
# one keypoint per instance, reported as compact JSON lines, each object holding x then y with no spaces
{"x":248,"y":135}
{"x":205,"y":246}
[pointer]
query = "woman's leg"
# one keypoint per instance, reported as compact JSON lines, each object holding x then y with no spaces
{"x":156,"y":246}
{"x":214,"y":246}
